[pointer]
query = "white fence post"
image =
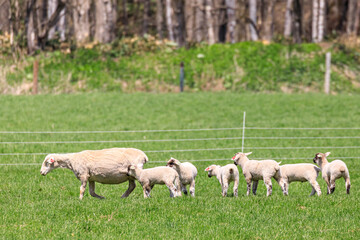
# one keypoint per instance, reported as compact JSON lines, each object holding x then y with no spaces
{"x":327,"y":73}
{"x":243,"y":134}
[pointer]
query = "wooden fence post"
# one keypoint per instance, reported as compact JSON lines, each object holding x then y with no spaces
{"x":35,"y":77}
{"x":327,"y":73}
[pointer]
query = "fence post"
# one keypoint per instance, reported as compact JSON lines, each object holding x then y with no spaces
{"x":182,"y":76}
{"x":35,"y":76}
{"x":327,"y":73}
{"x":243,"y":134}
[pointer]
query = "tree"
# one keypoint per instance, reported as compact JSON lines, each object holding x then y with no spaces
{"x":105,"y":21}
{"x":209,"y":22}
{"x":146,"y":17}
{"x":230,"y":11}
{"x":353,"y":17}
{"x":81,"y":20}
{"x":268,"y":21}
{"x":169,"y":14}
{"x":189,"y":20}
{"x":252,"y":18}
{"x":159,"y":18}
{"x":288,"y":21}
{"x":199,"y":21}
{"x":180,"y":31}
{"x":318,"y":20}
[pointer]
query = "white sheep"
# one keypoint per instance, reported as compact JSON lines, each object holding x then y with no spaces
{"x":157,"y":175}
{"x":300,"y":172}
{"x":257,"y":170}
{"x":108,"y":166}
{"x":187,"y":173}
{"x":226,"y":174}
{"x":332,"y":171}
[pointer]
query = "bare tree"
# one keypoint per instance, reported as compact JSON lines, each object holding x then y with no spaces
{"x":209,"y":22}
{"x":169,"y":22}
{"x":318,"y":20}
{"x":252,"y":18}
{"x":189,"y":20}
{"x":230,"y":11}
{"x":353,"y":17}
{"x":159,"y":18}
{"x":146,"y":16}
{"x":105,"y":21}
{"x":199,"y":20}
{"x":288,"y":21}
{"x":180,"y":31}
{"x":81,"y":20}
{"x":268,"y":21}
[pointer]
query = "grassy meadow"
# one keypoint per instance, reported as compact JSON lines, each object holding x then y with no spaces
{"x":37,"y":207}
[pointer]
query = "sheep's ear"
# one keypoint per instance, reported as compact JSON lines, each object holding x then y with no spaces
{"x":247,"y":154}
{"x":319,"y":155}
{"x":327,"y":154}
{"x":207,"y":169}
{"x":51,"y":160}
{"x":132,"y":167}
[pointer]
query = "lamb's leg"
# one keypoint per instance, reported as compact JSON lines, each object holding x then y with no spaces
{"x":172,"y":189}
{"x":327,"y":180}
{"x":177,"y":186}
{"x":268,"y":185}
{"x":183,"y":188}
{"x":192,"y":188}
{"x":236,"y":186}
{"x":315,"y":188}
{"x":254,"y":187}
{"x":347,"y":185}
{"x":147,"y":190}
{"x":131,"y":188}
{"x":225,"y":187}
{"x":248,"y":182}
{"x":82,"y":188}
{"x":92,"y":190}
{"x":332,"y":184}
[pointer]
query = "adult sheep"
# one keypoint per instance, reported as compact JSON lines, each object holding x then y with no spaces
{"x":107,"y":166}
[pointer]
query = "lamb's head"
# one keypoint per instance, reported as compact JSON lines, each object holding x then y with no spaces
{"x":210,"y":170}
{"x":133,"y":169}
{"x":320,"y":157}
{"x":238,"y":157}
{"x":173,"y":163}
{"x":49,"y":164}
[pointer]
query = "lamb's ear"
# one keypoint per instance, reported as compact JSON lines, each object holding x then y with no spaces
{"x":132,"y":167}
{"x":207,"y":169}
{"x":327,"y":154}
{"x":51,"y":160}
{"x":247,"y":154}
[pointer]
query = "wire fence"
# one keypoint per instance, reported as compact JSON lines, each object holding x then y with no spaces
{"x":168,"y":142}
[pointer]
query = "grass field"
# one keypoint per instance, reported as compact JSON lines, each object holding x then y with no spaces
{"x":37,"y":207}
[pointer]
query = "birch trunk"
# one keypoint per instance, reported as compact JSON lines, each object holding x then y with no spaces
{"x":199,"y":21}
{"x":315,"y":21}
{"x":288,"y":19}
{"x":321,"y":24}
{"x":230,"y":11}
{"x":169,"y":13}
{"x":209,"y":22}
{"x":252,"y":16}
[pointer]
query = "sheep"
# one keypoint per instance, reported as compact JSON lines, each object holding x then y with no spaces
{"x":187,"y":173}
{"x":257,"y":170}
{"x":107,"y":166}
{"x":301,"y":172}
{"x":332,"y":171}
{"x":225,"y":175}
{"x":157,"y":175}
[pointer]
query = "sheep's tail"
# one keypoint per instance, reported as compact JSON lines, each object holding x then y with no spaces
{"x":231,"y":171}
{"x":277,"y":167}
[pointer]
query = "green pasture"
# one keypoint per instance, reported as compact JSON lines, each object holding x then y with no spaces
{"x":37,"y":207}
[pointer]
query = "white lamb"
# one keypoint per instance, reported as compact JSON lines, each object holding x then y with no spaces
{"x":157,"y":175}
{"x":108,"y":166}
{"x":300,"y":172}
{"x":226,"y":174}
{"x":332,"y":171}
{"x":257,"y":170}
{"x":187,"y":173}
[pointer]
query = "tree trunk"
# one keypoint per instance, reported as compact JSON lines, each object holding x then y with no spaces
{"x":315,"y":21}
{"x":125,"y":20}
{"x":81,"y":20}
{"x":159,"y":19}
{"x":297,"y":28}
{"x":5,"y":15}
{"x":105,"y":20}
{"x":268,"y":21}
{"x":230,"y":11}
{"x":169,"y":14}
{"x":146,"y":17}
{"x":321,"y":24}
{"x":31,"y":28}
{"x":288,"y":20}
{"x":189,"y":20}
{"x":209,"y":22}
{"x":352,"y":18}
{"x":252,"y":17}
{"x":180,"y":23}
{"x":199,"y":21}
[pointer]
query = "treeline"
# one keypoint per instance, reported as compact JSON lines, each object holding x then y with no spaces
{"x":35,"y":23}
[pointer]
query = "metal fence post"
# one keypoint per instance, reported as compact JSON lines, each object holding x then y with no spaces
{"x":182,"y":76}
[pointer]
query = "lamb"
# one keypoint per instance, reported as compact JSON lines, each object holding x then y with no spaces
{"x":257,"y":170}
{"x":225,"y":175}
{"x":187,"y":173}
{"x":157,"y":175}
{"x":332,"y":171}
{"x":301,"y":172}
{"x":107,"y":166}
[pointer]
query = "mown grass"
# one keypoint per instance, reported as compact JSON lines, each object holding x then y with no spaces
{"x":37,"y":207}
{"x":146,"y":66}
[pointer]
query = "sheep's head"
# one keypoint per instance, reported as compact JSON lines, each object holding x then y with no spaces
{"x":132,"y":169}
{"x":240,"y":156}
{"x":173,"y":163}
{"x":49,"y":164}
{"x":210,"y":170}
{"x":319,"y":157}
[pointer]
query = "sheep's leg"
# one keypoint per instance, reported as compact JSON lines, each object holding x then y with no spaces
{"x":248,"y":182}
{"x":172,"y":189}
{"x":82,"y":188}
{"x":327,"y":180}
{"x":131,"y":188}
{"x":254,"y":187}
{"x":282,"y":184}
{"x":315,"y":188}
{"x":183,"y":188}
{"x":192,"y":188}
{"x":332,"y":184}
{"x":177,"y":186}
{"x":268,"y":185}
{"x":147,"y":190}
{"x":225,"y":187}
{"x":92,"y":190}
{"x":347,"y":185}
{"x":236,"y":186}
